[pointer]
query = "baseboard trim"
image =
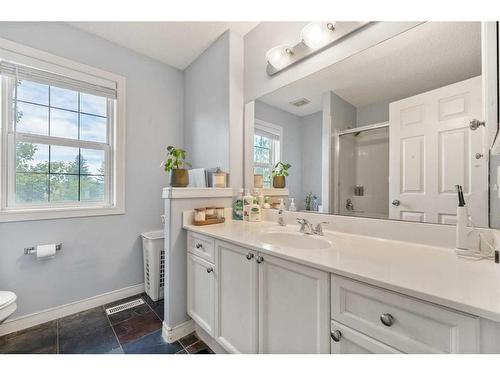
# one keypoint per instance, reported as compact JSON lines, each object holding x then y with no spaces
{"x":172,"y":334}
{"x":44,"y":316}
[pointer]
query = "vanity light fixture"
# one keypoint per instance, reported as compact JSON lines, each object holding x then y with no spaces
{"x":317,"y":34}
{"x":314,"y":37}
{"x":279,"y":56}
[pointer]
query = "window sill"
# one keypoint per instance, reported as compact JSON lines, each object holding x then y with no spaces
{"x":57,"y":213}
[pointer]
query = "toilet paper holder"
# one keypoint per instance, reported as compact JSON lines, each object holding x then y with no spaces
{"x":32,"y":249}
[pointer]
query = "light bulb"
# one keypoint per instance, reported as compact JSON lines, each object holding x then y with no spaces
{"x":317,"y":34}
{"x":279,"y":56}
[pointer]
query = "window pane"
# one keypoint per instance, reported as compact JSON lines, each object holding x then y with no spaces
{"x":63,"y":188}
{"x":32,"y":119}
{"x":262,"y":155}
{"x":266,"y":172}
{"x":63,"y":124}
{"x":95,"y":105}
{"x":32,"y":188}
{"x":92,"y":128}
{"x":257,"y":139}
{"x":91,"y":188}
{"x":63,"y":98}
{"x":92,"y":161}
{"x":33,"y":92}
{"x":64,"y":159}
{"x":32,"y":157}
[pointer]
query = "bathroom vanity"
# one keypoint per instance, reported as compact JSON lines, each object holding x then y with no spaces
{"x":262,"y":288}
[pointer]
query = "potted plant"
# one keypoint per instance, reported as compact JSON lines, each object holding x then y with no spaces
{"x":175,"y":166}
{"x":280,"y":171}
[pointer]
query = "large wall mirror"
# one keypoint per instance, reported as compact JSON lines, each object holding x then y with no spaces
{"x":390,"y":131}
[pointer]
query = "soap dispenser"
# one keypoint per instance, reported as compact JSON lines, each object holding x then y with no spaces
{"x":292,"y":206}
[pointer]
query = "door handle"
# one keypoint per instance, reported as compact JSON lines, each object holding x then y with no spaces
{"x":396,"y":202}
{"x":475,"y":124}
{"x":259,"y":259}
{"x":249,"y":256}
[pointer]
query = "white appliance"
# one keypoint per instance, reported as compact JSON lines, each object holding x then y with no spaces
{"x":7,"y":305}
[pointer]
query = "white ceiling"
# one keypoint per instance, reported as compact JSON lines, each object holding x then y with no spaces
{"x":426,"y":57}
{"x":174,"y":43}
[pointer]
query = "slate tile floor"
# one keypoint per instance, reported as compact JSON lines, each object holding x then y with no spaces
{"x":133,"y":331}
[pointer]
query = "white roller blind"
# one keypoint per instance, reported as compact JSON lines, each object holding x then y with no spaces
{"x":41,"y":76}
{"x":267,"y":132}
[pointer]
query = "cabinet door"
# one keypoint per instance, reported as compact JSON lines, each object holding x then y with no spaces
{"x":201,"y":287}
{"x":236,"y":298}
{"x":348,"y":341}
{"x":294,"y":312}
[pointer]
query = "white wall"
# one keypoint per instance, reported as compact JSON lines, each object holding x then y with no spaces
{"x":213,"y":110}
{"x":311,"y":133}
{"x":269,"y":34}
{"x":372,"y":114}
{"x":100,"y":254}
{"x":206,"y":111}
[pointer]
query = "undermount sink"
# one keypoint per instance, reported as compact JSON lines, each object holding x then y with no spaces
{"x":294,"y":240}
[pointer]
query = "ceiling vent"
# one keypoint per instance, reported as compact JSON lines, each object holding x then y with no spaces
{"x":300,"y":102}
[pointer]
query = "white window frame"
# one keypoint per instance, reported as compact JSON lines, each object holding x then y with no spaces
{"x":276,"y":155}
{"x":114,"y":202}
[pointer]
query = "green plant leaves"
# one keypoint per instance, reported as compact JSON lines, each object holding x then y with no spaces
{"x":281,"y":169}
{"x":175,"y":159}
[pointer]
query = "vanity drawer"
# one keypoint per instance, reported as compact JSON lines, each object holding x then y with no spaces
{"x":405,"y":323}
{"x":201,"y":246}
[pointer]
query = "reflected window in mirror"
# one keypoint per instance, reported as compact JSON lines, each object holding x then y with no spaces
{"x":266,"y":150}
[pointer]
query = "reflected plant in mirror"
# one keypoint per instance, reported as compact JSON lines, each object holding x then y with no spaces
{"x":280,"y":171}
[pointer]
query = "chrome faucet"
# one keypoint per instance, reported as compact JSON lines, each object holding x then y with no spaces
{"x":306,"y":227}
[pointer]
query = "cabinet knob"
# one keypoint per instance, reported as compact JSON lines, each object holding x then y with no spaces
{"x":249,"y":256}
{"x":395,"y":202}
{"x":336,"y":335}
{"x":198,"y":246}
{"x":210,"y":269}
{"x":259,"y":259}
{"x":387,"y":319}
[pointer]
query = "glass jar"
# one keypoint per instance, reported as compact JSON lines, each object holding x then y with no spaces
{"x":199,"y":214}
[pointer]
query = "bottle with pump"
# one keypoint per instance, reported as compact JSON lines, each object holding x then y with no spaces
{"x":238,"y":207}
{"x":281,"y":213}
{"x":247,"y":202}
{"x":255,"y":213}
{"x":292,"y":206}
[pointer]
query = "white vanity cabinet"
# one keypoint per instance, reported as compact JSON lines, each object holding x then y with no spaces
{"x":405,"y":323}
{"x":293,"y":307}
{"x":236,"y":298}
{"x":262,"y":304}
{"x":201,"y":274}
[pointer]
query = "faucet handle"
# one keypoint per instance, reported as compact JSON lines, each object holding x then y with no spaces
{"x":319,"y":229}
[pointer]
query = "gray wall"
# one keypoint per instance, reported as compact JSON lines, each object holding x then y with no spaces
{"x":301,"y":148}
{"x":291,"y":143}
{"x":206,"y":111}
{"x":100,"y":254}
{"x":372,"y":114}
{"x":311,"y":150}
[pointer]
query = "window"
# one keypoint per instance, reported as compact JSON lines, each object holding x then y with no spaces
{"x":61,"y":144}
{"x":266,"y":149}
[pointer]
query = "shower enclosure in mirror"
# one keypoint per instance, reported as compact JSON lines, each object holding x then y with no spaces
{"x":390,"y":131}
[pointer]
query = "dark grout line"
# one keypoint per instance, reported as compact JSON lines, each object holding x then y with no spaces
{"x":112,"y":328}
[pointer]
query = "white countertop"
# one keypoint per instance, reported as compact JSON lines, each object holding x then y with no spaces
{"x":430,"y":273}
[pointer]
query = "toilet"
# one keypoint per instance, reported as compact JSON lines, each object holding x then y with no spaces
{"x":7,"y":305}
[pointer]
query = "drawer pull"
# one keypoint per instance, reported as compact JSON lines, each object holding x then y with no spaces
{"x":210,"y":269}
{"x":336,"y":335}
{"x":387,"y":319}
{"x":249,"y":256}
{"x":198,"y":246}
